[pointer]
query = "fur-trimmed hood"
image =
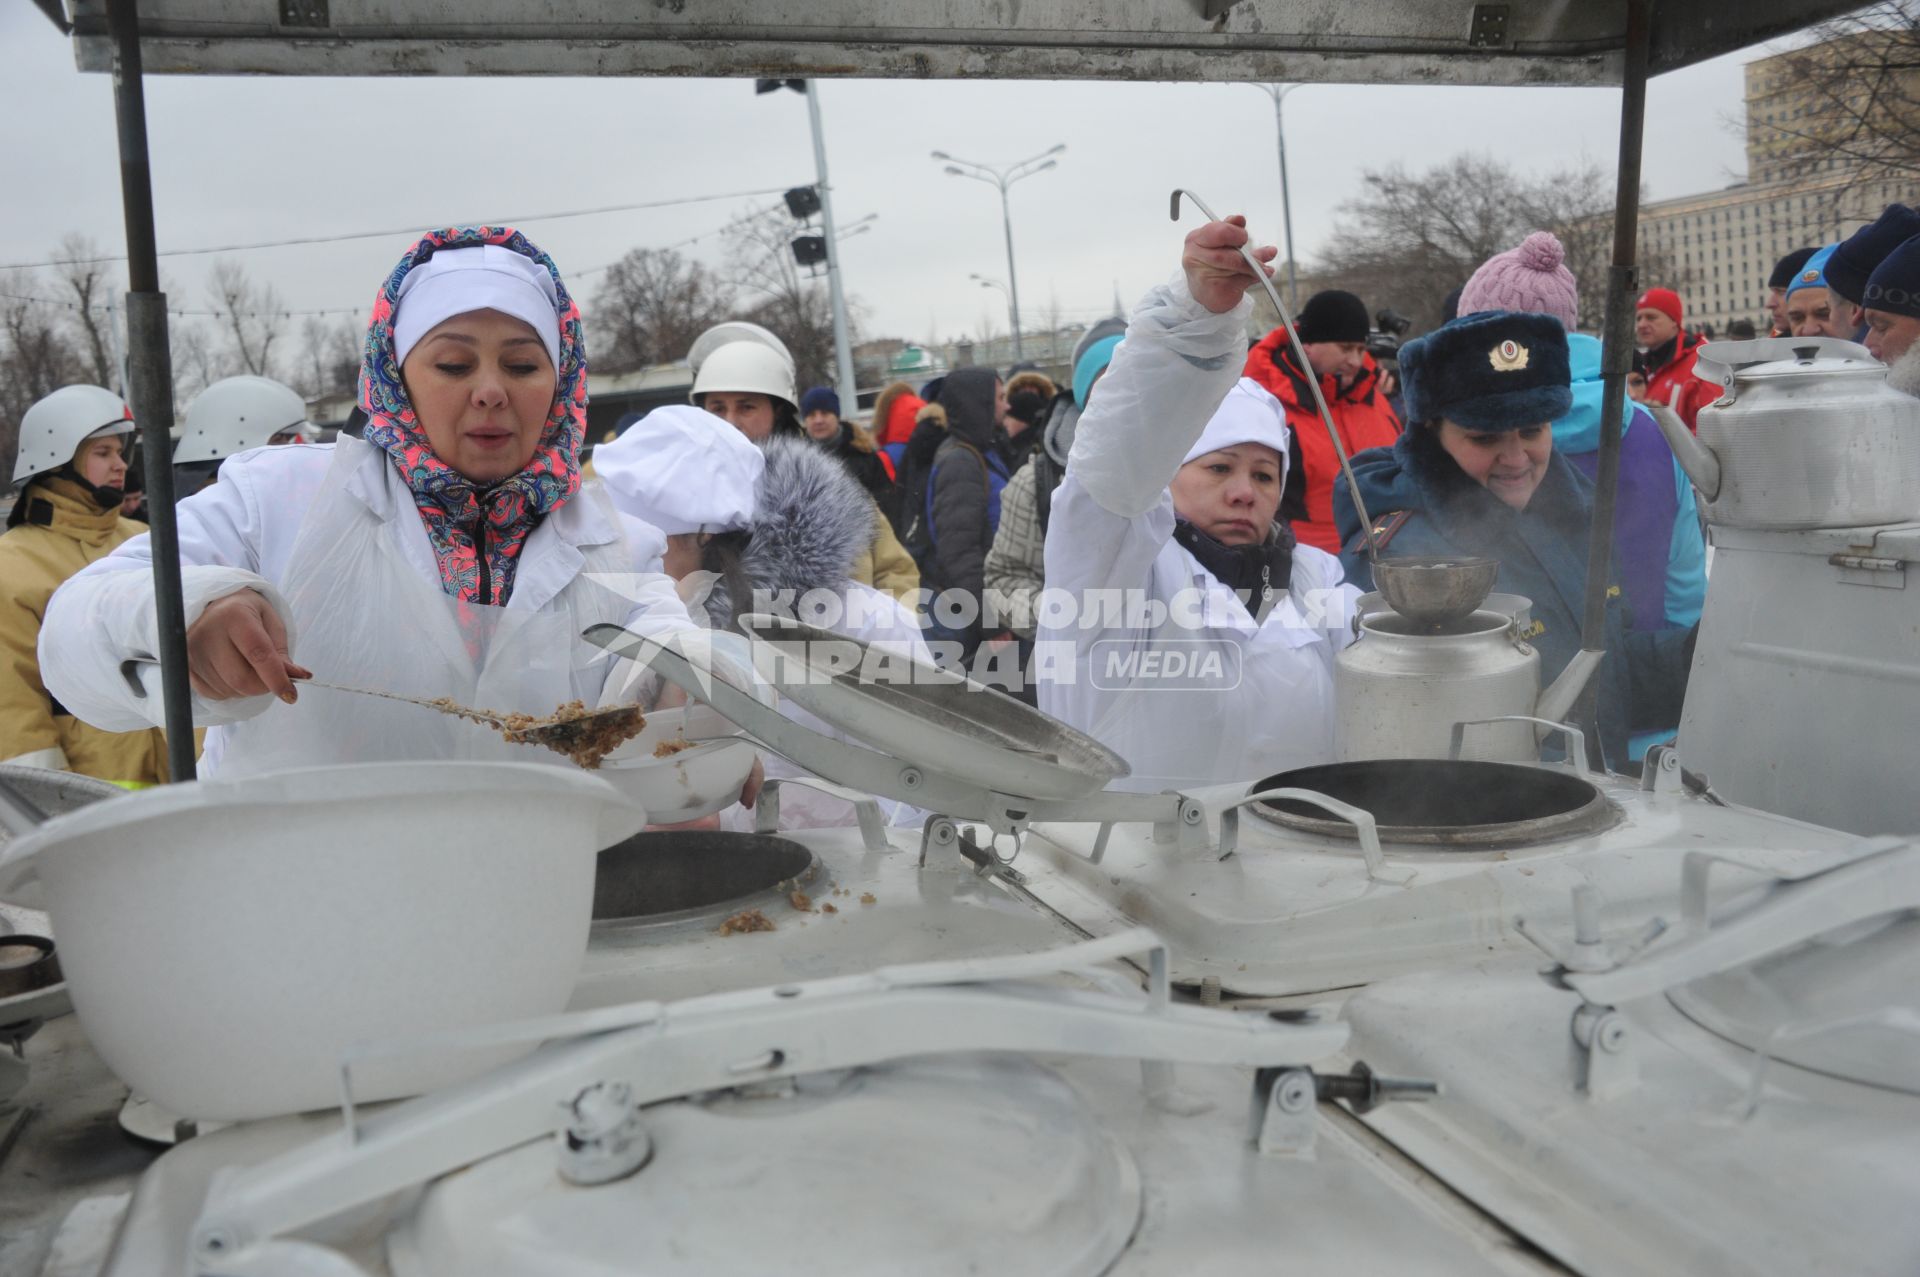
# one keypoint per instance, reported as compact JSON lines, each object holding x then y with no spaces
{"x":811,"y":521}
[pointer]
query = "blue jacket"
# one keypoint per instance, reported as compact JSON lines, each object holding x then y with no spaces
{"x":1662,"y":558}
{"x":1543,"y":555}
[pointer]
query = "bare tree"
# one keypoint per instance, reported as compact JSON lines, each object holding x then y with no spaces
{"x":89,"y":282}
{"x":330,"y":355}
{"x":196,"y":362}
{"x":249,"y":315}
{"x":1848,"y":103}
{"x":36,"y":358}
{"x":1409,"y":239}
{"x":652,"y":305}
{"x":795,"y":307}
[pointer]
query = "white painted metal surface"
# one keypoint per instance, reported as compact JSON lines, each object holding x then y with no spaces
{"x":1804,"y":697}
{"x":1290,"y":913}
{"x":1634,"y":1140}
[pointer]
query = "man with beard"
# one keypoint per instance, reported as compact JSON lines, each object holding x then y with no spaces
{"x":1892,"y":297}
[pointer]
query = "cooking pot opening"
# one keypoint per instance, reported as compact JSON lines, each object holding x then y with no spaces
{"x":652,"y":875}
{"x":1457,"y":804}
{"x":1481,"y":622}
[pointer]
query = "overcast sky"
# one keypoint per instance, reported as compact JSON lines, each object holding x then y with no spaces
{"x":247,"y":159}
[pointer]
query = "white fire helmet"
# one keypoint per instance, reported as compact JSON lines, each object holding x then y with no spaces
{"x":53,"y":429}
{"x":236,"y":414}
{"x":746,"y":367}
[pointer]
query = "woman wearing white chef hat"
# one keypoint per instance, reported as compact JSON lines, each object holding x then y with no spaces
{"x":452,"y":554}
{"x":1181,"y":625}
{"x":768,"y":528}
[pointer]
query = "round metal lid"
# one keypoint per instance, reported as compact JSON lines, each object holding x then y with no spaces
{"x":954,"y":1165}
{"x":1844,"y":1004}
{"x":926,"y":715}
{"x":1445,"y":804}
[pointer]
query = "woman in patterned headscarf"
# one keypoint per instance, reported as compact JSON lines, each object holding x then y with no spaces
{"x":454,"y":553}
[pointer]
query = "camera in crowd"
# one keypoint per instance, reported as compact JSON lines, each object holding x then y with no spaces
{"x":1383,"y":343}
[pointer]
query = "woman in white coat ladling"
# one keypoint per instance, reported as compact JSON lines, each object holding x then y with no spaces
{"x":1181,"y":625}
{"x":453,"y":553}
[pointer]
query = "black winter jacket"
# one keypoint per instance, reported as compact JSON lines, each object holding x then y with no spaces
{"x":968,"y":472}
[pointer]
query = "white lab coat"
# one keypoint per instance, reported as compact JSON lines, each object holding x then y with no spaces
{"x":242,"y":533}
{"x":1190,"y":689}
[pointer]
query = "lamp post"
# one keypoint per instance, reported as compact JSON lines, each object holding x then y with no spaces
{"x":1003,"y":177}
{"x":1013,"y":315}
{"x":1278,"y":92}
{"x":842,"y":347}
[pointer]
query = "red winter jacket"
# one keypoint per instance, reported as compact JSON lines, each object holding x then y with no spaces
{"x":1695,"y":394}
{"x":1361,"y":413}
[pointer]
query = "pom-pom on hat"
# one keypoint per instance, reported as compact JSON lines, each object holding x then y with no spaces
{"x":1854,"y":260}
{"x":1664,"y":300}
{"x":819,"y":399}
{"x":1894,"y":286}
{"x":1490,"y":372}
{"x":1332,"y":315}
{"x":1532,"y":278}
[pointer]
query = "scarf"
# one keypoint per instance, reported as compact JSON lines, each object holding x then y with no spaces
{"x":1258,"y":573}
{"x":465,"y":520}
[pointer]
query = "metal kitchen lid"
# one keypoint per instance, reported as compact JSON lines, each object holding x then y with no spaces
{"x":1454,"y":804}
{"x":1844,"y":1004}
{"x":951,"y":1165}
{"x":923,"y":714}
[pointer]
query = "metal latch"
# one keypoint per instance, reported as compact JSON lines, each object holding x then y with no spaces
{"x":304,"y":13}
{"x":1490,"y":27}
{"x":1285,"y":1098}
{"x":1871,"y":570}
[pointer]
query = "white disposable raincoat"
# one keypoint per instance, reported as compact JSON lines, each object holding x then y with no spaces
{"x":1139,"y":645}
{"x":330,"y":535}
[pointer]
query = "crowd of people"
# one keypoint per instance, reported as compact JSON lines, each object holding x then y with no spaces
{"x":1160,"y":550}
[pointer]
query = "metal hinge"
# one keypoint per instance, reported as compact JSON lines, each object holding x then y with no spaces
{"x":1871,"y":570}
{"x":1490,"y":27}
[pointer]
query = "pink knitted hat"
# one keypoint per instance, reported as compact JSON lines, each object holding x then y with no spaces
{"x":1532,"y":277}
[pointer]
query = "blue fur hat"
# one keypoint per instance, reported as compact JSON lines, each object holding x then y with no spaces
{"x":1489,"y":372}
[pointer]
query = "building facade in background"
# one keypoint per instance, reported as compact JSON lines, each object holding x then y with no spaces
{"x":1723,"y":243}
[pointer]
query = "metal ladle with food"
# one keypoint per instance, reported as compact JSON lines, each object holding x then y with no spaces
{"x":1430,"y":590}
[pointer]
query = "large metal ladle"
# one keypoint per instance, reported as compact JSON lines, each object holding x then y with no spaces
{"x":1429,"y":590}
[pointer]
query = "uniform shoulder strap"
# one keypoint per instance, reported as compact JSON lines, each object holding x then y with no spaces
{"x":1384,"y":529}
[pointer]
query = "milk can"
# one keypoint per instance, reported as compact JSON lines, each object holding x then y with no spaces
{"x":1401,"y":687}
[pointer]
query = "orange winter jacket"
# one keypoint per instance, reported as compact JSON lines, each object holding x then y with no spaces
{"x":1695,"y":394}
{"x":1361,"y":412}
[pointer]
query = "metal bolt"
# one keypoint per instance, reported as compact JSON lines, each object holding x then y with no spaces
{"x":1612,"y":1037}
{"x":1293,"y":1093}
{"x":1191,"y":814}
{"x":911,"y":777}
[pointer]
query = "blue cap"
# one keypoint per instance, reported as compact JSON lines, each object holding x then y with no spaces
{"x":1092,"y":364}
{"x":1495,"y":371}
{"x":1814,"y":273}
{"x":1894,"y":286}
{"x":819,"y":399}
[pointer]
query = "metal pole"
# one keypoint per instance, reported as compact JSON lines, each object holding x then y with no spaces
{"x":1286,"y":201}
{"x":842,"y":347}
{"x":151,"y":377}
{"x":1616,"y":357}
{"x":1013,"y":281}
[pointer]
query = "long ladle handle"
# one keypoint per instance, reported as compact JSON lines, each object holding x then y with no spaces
{"x":1312,"y":378}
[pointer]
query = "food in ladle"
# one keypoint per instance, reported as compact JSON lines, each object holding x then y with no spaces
{"x":584,"y":735}
{"x":668,"y":748}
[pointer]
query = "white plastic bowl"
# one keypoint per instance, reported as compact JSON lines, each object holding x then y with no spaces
{"x":685,"y":786}
{"x":225,"y":942}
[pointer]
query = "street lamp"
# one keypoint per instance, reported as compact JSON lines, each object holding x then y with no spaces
{"x":987,"y":282}
{"x":1003,"y":177}
{"x":1278,"y":92}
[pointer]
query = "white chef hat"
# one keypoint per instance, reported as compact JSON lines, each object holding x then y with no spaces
{"x":1249,"y":414}
{"x":457,"y":281}
{"x":682,"y":469}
